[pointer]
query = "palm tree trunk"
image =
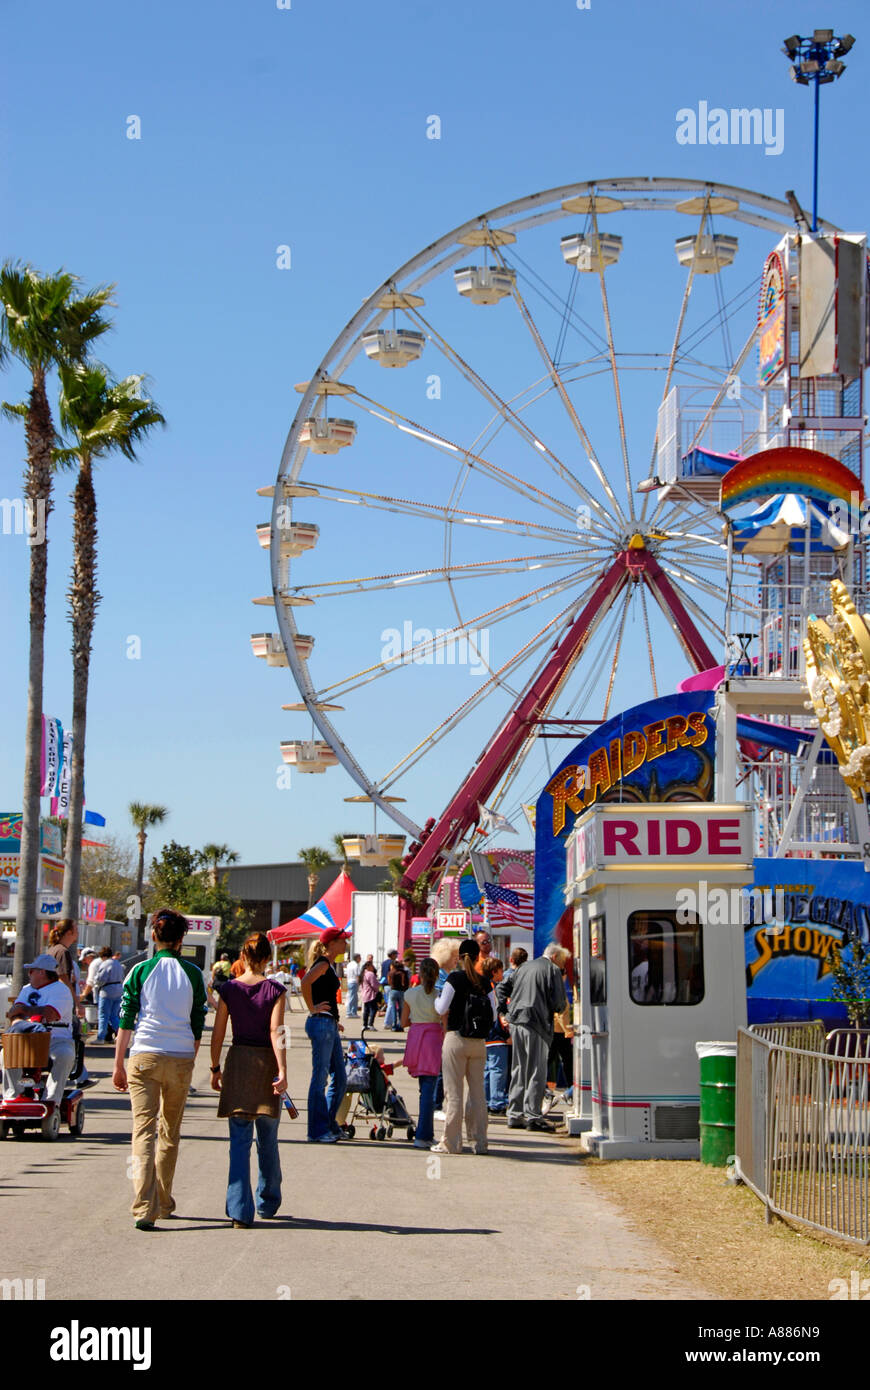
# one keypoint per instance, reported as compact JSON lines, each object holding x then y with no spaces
{"x":39,"y":432}
{"x":83,"y":599}
{"x":312,"y":888}
{"x":140,"y":879}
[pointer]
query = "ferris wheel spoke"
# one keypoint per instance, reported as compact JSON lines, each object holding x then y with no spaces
{"x":685,"y":511}
{"x":713,"y":590}
{"x":623,"y":441}
{"x":462,"y":711}
{"x":596,"y":651}
{"x":669,"y":374}
{"x":491,"y":617}
{"x":440,"y":513}
{"x":698,"y":612}
{"x":554,"y":301}
{"x":568,"y":404}
{"x":561,"y":469}
{"x":473,"y":460}
{"x":649,"y":645}
{"x":616,"y":650}
{"x":728,"y":380}
{"x":568,"y":613}
{"x":478,"y":569}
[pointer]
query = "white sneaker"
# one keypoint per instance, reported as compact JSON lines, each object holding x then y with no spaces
{"x":547,"y":1102}
{"x":439,"y":1115}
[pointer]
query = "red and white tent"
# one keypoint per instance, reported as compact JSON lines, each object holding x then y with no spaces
{"x":333,"y":910}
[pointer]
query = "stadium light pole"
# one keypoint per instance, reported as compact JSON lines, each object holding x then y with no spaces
{"x":817,"y":59}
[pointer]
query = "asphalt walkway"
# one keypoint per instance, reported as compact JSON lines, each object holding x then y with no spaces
{"x":360,"y":1220}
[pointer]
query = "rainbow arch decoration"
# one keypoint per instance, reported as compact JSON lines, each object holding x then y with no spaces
{"x":805,"y":472}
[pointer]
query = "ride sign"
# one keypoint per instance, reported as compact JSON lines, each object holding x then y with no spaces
{"x":620,"y":838}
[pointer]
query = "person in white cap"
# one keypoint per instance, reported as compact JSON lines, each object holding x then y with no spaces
{"x":47,"y":999}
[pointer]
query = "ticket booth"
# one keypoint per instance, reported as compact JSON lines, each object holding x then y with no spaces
{"x":658,"y":944}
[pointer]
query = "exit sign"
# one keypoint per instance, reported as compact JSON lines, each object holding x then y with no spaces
{"x":451,"y":921}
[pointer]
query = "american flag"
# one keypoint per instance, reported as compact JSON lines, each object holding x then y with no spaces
{"x":510,"y":906}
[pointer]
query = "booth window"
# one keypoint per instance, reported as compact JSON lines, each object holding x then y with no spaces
{"x":665,"y":958}
{"x":597,"y":962}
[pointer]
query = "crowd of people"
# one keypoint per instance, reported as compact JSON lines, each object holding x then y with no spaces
{"x":481,"y":1040}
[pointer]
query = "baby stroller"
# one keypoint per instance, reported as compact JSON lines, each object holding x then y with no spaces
{"x":374,"y":1096}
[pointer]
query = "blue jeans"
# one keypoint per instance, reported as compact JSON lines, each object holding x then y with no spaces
{"x":496,"y":1077}
{"x":353,"y":999}
{"x":394,"y":1008}
{"x":240,"y":1202}
{"x":108,"y":1015}
{"x":425,"y":1120}
{"x":327,"y":1060}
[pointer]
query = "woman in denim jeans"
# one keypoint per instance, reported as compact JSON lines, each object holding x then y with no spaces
{"x":320,"y":992}
{"x":249,"y":1088}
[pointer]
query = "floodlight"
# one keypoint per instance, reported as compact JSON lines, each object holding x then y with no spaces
{"x":825,"y":77}
{"x":810,"y":65}
{"x":797,"y":76}
{"x":822,"y":35}
{"x":835,"y":66}
{"x":844,"y":44}
{"x":791,"y":45}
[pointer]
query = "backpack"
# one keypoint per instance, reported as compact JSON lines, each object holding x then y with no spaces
{"x":476,"y":1016}
{"x":398,"y":977}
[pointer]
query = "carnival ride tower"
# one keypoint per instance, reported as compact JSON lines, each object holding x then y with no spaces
{"x":793,"y":514}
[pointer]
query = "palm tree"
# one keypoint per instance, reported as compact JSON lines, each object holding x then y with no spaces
{"x":314,"y":860}
{"x":218,"y":854}
{"x":142,"y":817}
{"x":338,"y":841}
{"x":418,"y":895}
{"x":103,"y":417}
{"x":44,"y":323}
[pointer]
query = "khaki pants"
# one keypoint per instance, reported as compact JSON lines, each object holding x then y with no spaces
{"x":158,"y":1090}
{"x":464,"y":1060}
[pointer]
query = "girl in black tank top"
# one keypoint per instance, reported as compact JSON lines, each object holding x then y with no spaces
{"x":324,"y":1030}
{"x":324,"y":990}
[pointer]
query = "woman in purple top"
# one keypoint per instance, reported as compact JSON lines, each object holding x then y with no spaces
{"x":249,"y":1089}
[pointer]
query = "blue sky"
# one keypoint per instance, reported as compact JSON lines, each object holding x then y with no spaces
{"x":306,"y":127}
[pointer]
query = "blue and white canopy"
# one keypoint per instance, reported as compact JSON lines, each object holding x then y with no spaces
{"x":780,"y":525}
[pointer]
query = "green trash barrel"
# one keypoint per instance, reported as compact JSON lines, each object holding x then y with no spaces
{"x":718,"y":1061}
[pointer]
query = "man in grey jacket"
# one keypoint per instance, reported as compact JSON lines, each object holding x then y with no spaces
{"x":538,"y":993}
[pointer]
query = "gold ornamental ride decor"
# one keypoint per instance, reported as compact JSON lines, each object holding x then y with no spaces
{"x":838,"y":678}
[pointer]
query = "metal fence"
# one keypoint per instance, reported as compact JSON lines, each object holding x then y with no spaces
{"x":809,"y":1034}
{"x":803,"y":1128}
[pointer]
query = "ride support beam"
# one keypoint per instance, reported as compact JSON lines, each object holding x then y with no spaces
{"x":502,"y":748}
{"x":667,"y":598}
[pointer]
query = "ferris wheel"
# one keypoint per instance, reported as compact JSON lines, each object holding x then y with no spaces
{"x":492,"y":508}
